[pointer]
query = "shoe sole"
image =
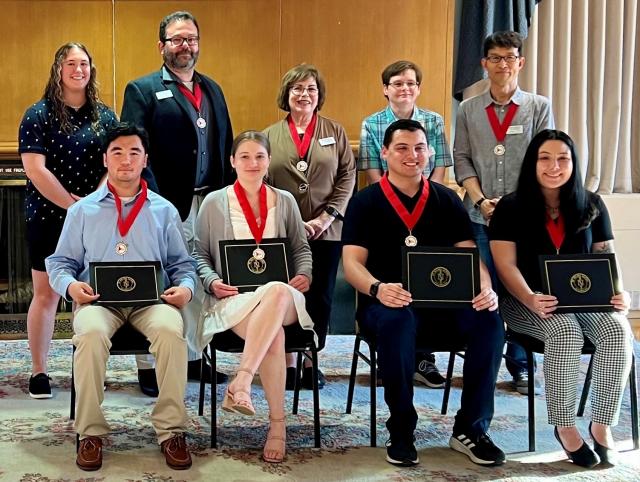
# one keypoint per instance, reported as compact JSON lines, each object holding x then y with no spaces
{"x":40,"y":396}
{"x":420,"y":379}
{"x":89,"y":468}
{"x":458,"y":446}
{"x":401,"y":463}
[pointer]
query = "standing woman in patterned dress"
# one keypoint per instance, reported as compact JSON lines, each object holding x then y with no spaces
{"x":60,"y":142}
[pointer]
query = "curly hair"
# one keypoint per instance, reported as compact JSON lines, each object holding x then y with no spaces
{"x":53,"y":91}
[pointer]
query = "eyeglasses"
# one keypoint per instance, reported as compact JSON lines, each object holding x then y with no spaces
{"x":496,"y":59}
{"x":398,"y":85}
{"x":299,"y":90}
{"x":179,"y":41}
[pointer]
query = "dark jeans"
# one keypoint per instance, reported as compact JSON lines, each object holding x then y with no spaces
{"x":396,"y":331}
{"x":326,"y":257}
{"x":516,"y":357}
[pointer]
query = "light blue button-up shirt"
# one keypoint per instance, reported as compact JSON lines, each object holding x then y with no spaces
{"x":90,"y":234}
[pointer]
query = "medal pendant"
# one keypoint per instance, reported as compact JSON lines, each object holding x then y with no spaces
{"x":256,"y":266}
{"x":258,"y":254}
{"x":499,"y":150}
{"x":121,"y":248}
{"x":411,"y":241}
{"x":201,"y":123}
{"x":302,"y":166}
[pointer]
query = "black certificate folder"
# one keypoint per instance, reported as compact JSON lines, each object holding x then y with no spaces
{"x":581,"y":282}
{"x":441,"y":277}
{"x":241,"y":269}
{"x":124,"y":284}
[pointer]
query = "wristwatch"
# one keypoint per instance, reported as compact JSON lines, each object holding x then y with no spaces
{"x":331,"y":211}
{"x":479,"y":203}
{"x":373,"y":290}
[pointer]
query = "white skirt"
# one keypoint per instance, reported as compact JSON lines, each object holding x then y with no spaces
{"x":220,"y":315}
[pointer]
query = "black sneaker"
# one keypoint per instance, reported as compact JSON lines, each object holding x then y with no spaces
{"x":480,"y":449}
{"x":39,"y":386}
{"x":427,"y":373}
{"x":307,"y":379}
{"x":402,"y":454}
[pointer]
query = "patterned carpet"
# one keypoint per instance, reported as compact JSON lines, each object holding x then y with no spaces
{"x":37,"y":440}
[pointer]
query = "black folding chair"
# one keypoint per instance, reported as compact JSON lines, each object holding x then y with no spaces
{"x":297,"y":340}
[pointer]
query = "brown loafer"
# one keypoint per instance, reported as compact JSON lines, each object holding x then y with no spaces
{"x":176,"y":452}
{"x":90,"y":453}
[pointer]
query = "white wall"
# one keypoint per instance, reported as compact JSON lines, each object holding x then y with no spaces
{"x":624,"y":210}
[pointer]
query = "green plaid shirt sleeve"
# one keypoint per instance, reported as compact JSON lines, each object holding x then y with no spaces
{"x":371,"y":136}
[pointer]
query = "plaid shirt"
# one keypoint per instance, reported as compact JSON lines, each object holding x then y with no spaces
{"x":372,"y":134}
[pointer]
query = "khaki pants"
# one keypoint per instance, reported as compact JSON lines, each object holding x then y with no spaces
{"x":93,"y":328}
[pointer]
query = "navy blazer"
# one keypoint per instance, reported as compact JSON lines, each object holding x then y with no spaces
{"x":173,"y":139}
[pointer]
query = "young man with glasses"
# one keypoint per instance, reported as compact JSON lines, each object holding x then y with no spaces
{"x":401,"y":86}
{"x":493,"y":131}
{"x":190,"y":136}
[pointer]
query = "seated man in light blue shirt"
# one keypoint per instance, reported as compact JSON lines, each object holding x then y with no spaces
{"x":123,"y":221}
{"x":401,"y":87}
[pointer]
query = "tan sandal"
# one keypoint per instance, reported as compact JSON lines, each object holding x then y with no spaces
{"x":283,"y":444}
{"x":233,"y":403}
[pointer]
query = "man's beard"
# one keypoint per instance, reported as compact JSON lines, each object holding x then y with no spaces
{"x":175,"y":62}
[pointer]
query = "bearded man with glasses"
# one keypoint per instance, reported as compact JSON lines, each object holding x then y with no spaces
{"x":186,"y":117}
{"x":493,"y":131}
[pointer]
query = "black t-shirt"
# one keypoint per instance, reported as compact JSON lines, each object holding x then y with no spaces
{"x":508,"y":224}
{"x":372,"y":223}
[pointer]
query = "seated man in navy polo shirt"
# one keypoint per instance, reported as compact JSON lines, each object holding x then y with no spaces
{"x":405,"y":208}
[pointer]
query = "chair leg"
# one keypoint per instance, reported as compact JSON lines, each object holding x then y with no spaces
{"x":214,"y":399}
{"x":72,"y":409}
{"x":316,"y":398}
{"x":633,"y":395}
{"x":352,"y":377}
{"x":531,"y":402}
{"x":585,"y":389}
{"x":447,"y":384}
{"x":204,"y":356}
{"x":296,"y":389}
{"x":373,"y":382}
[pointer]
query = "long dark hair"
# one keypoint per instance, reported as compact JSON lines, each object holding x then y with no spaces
{"x":53,"y":90}
{"x":575,"y":206}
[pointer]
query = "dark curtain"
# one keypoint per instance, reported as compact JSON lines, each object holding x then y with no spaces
{"x":480,"y":18}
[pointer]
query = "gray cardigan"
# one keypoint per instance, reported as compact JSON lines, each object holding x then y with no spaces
{"x":214,"y":224}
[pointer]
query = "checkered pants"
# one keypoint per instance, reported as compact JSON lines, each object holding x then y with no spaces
{"x":563,"y":336}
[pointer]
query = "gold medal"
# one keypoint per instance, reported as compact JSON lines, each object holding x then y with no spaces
{"x":411,"y":241}
{"x":121,"y":248}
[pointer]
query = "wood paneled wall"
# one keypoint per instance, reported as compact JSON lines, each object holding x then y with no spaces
{"x":246,"y":46}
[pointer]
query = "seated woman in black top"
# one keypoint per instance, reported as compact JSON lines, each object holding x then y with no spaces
{"x":552,"y":213}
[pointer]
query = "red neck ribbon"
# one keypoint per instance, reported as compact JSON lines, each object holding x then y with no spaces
{"x":555,"y":228}
{"x":125,"y":224}
{"x":195,"y":98}
{"x":409,"y":219}
{"x":302,"y":145}
{"x":500,"y":130}
{"x":256,"y":230}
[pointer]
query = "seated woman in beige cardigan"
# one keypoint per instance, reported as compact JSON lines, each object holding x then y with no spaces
{"x":250,"y":209}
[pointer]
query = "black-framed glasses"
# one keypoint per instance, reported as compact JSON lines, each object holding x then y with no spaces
{"x":179,"y":41}
{"x":399,"y":84}
{"x":496,"y":59}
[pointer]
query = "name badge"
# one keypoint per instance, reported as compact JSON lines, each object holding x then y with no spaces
{"x":515,"y":129}
{"x":327,"y":141}
{"x":164,"y":94}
